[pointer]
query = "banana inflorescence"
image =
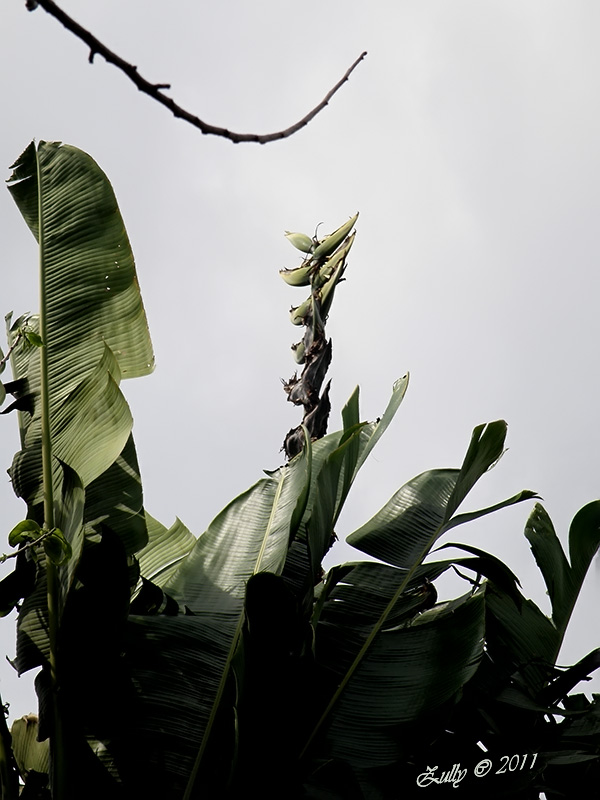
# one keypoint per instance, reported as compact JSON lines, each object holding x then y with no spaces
{"x":322,"y":269}
{"x":300,"y":241}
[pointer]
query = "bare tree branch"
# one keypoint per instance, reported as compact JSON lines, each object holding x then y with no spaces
{"x":155,"y":89}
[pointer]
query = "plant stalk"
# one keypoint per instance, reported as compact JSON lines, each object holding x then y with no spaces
{"x":9,"y":781}
{"x":57,"y":740}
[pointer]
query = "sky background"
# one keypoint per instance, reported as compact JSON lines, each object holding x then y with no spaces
{"x":467,"y":139}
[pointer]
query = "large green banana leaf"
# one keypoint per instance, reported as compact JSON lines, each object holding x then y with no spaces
{"x":564,"y":580}
{"x":94,"y":332}
{"x":297,"y":569}
{"x":208,"y":577}
{"x":409,"y":671}
{"x":114,"y":499}
{"x":373,"y":431}
{"x":333,"y":484}
{"x":366,"y":588}
{"x":336,"y":459}
{"x":339,"y":482}
{"x":70,"y":519}
{"x":91,"y":292}
{"x":166,"y":549}
{"x":92,"y":314}
{"x":251,"y":534}
{"x":362,"y":592}
{"x":358,"y":596}
{"x":177,"y":663}
{"x":525,"y":640}
{"x":405,"y":530}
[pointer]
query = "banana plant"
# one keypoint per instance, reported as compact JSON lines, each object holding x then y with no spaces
{"x":77,"y":469}
{"x":231,"y":664}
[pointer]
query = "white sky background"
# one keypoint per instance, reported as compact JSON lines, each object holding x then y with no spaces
{"x":467,"y":139}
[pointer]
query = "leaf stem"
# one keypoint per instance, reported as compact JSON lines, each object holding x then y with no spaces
{"x":5,"y":556}
{"x":58,"y":768}
{"x":214,"y":710}
{"x":8,"y":353}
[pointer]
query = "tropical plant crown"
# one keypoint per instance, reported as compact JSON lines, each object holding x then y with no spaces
{"x":230,"y":663}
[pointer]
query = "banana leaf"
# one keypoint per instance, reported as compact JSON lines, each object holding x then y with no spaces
{"x":409,"y":673}
{"x":92,"y":331}
{"x":89,"y":287}
{"x":526,"y":641}
{"x":177,"y":665}
{"x":115,"y":500}
{"x":357,"y":599}
{"x":405,"y":530}
{"x":250,"y":535}
{"x":92,"y":314}
{"x":373,"y":431}
{"x":336,"y":459}
{"x":564,"y":580}
{"x":209,"y":580}
{"x":166,"y":549}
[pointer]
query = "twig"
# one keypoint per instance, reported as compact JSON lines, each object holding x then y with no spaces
{"x":10,"y":349}
{"x":4,"y":557}
{"x":155,"y":89}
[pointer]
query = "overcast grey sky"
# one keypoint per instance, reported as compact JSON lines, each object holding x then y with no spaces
{"x":468,"y":141}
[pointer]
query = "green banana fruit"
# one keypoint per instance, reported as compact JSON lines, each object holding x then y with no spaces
{"x":299,"y":351}
{"x":300,"y":241}
{"x":298,"y":277}
{"x":329,"y":288}
{"x":329,"y":243}
{"x":331,"y":263}
{"x":298,"y":314}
